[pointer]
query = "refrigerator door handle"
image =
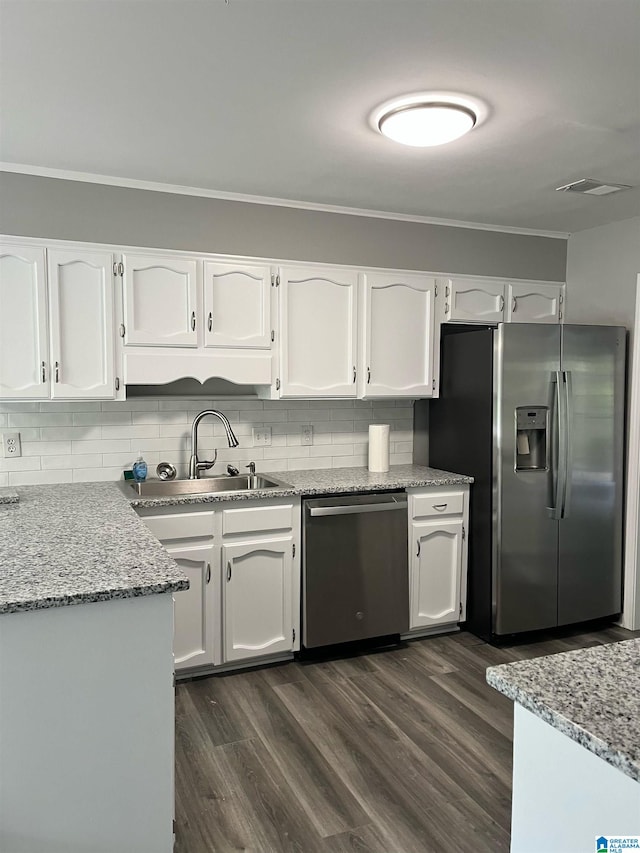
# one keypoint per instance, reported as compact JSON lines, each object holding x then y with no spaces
{"x":568,"y":454}
{"x":558,"y":466}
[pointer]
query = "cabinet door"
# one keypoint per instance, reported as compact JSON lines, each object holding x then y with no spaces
{"x":318,"y":333}
{"x":258,"y":594}
{"x":81,"y":323}
{"x":23,"y":324}
{"x":397,"y":335}
{"x":534,"y":303}
{"x":436,"y":561}
{"x":194,"y":608}
{"x":475,"y":300}
{"x":236,"y":305}
{"x":160,"y":298}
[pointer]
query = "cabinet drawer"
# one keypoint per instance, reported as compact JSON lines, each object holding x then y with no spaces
{"x":449,"y":503}
{"x":182,"y":525}
{"x":256,"y":518}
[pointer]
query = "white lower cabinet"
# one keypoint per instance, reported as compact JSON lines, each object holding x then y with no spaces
{"x":243,"y":563}
{"x":258,"y":597}
{"x":438,"y":521}
{"x":194,"y":608}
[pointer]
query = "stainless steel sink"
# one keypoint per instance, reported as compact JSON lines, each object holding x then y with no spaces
{"x":207,"y":485}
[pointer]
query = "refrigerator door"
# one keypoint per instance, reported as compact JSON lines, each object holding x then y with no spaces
{"x":526,"y":366}
{"x":590,"y":543}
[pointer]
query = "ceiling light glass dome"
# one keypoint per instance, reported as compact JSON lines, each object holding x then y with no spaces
{"x":425,"y":124}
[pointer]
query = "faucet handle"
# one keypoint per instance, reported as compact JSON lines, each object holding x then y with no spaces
{"x":232,"y":471}
{"x":252,"y":467}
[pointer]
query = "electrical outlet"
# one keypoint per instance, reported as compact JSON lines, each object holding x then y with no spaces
{"x":307,"y":434}
{"x":11,"y":445}
{"x":262,"y":436}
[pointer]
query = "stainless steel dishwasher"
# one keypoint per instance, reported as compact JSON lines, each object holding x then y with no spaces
{"x":355,"y":568}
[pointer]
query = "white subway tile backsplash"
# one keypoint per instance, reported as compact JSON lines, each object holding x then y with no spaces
{"x":23,"y":463}
{"x":32,"y":478}
{"x":131,"y":431}
{"x":100,"y":446}
{"x":84,"y":441}
{"x":71,"y":433}
{"x":40,"y":419}
{"x":79,"y":460}
{"x":45,"y":448}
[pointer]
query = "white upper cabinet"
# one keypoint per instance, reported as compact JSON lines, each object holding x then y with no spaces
{"x":534,"y":303}
{"x":257,"y":597}
{"x":81,"y":307}
{"x":23,"y":324}
{"x":482,"y":301}
{"x":318,"y":332}
{"x":397,"y":335}
{"x":236,"y":305}
{"x":160,"y":301}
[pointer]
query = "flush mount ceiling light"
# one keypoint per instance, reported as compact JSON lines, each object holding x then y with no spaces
{"x":428,"y":119}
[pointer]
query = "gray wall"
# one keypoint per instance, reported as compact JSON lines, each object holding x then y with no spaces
{"x":32,"y":206}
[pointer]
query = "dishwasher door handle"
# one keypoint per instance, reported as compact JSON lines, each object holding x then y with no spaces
{"x":353,"y":509}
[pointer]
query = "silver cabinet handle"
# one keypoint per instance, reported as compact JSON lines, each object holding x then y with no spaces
{"x":193,"y":321}
{"x":354,"y":374}
{"x":117,"y":383}
{"x":514,"y":305}
{"x":357,"y":509}
{"x":44,"y":372}
{"x":208,"y":572}
{"x":418,"y":551}
{"x":368,"y":375}
{"x":57,"y":372}
{"x":446,"y":307}
{"x":439,"y":507}
{"x":228,"y":571}
{"x":210,"y":321}
{"x":501,"y":308}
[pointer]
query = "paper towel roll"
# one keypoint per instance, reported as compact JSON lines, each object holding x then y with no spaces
{"x":379,"y":447}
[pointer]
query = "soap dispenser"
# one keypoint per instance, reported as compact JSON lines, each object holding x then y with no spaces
{"x":139,"y":468}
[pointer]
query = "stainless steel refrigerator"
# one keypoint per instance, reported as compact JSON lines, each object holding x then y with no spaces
{"x":535,"y":413}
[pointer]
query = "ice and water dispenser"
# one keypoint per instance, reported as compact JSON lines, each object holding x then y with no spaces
{"x":531,"y":438}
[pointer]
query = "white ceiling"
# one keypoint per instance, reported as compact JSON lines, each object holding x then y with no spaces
{"x":272,"y":98}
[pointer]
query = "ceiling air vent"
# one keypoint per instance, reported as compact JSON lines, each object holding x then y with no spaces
{"x":589,"y":186}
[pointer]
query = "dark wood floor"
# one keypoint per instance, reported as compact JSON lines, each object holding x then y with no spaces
{"x":401,"y":751}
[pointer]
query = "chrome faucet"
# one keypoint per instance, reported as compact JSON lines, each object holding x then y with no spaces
{"x":195,"y":466}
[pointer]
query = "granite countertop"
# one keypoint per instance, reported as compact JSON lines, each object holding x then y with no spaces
{"x":8,"y":496}
{"x":70,"y":544}
{"x":318,"y":482}
{"x":591,"y":695}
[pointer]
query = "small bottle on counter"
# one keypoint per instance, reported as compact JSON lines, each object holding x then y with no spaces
{"x":139,"y":469}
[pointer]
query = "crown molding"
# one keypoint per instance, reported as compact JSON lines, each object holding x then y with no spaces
{"x":176,"y":189}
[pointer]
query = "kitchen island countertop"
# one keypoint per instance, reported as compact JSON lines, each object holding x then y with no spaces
{"x":72,"y":544}
{"x":591,"y":695}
